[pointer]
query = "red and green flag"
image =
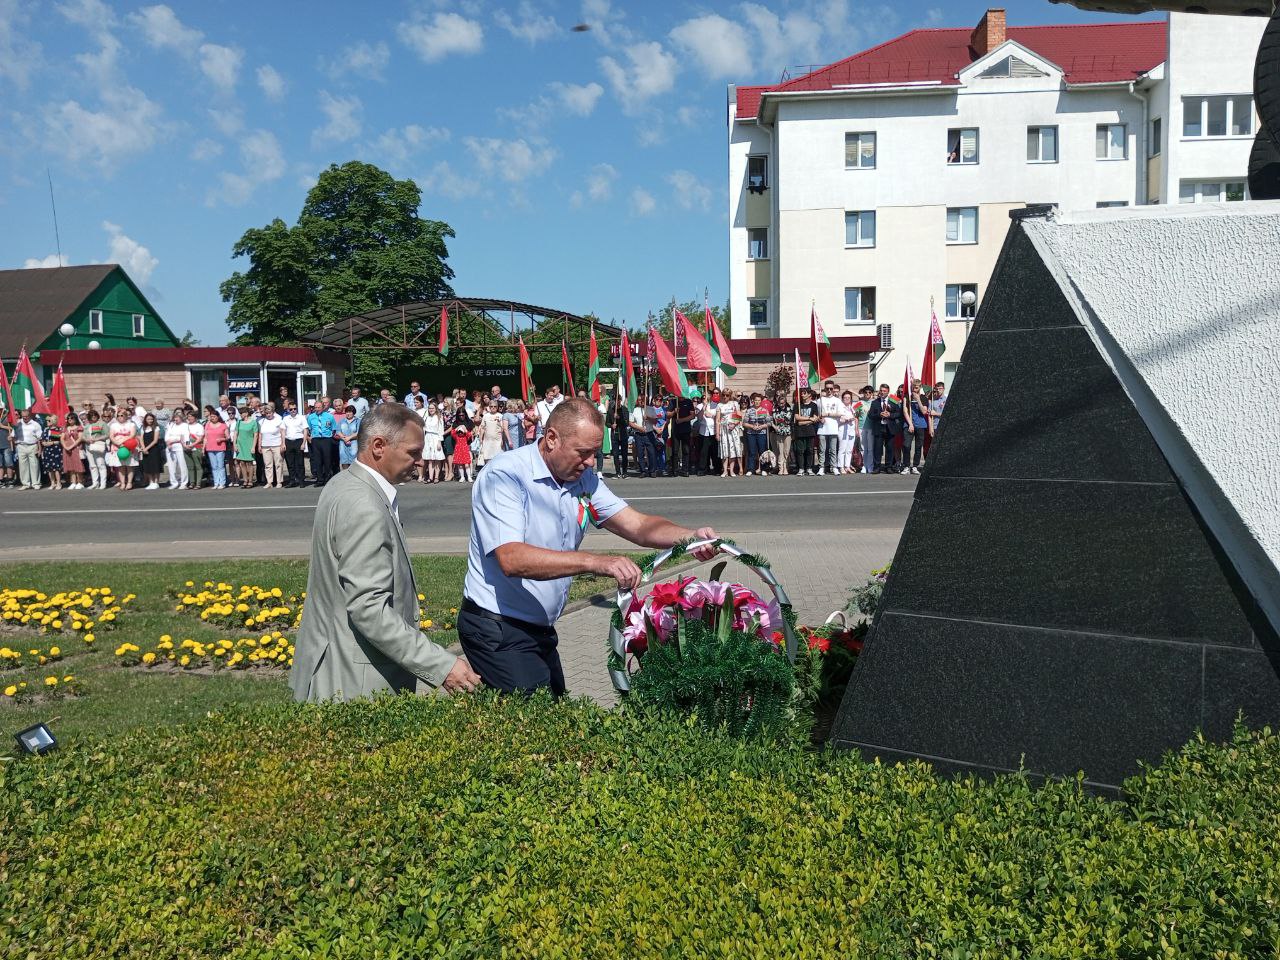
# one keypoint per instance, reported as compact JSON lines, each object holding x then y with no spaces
{"x":697,"y":350}
{"x":630,"y":392}
{"x":26,"y":390}
{"x":526,"y":373}
{"x":593,"y":371}
{"x":568,"y":367}
{"x":721,"y":355}
{"x":59,"y":404}
{"x":10,"y":413}
{"x":673,"y":377}
{"x":934,"y":348}
{"x":443,"y":346}
{"x":822,"y":364}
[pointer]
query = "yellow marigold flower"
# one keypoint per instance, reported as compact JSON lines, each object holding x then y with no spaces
{"x":453,"y":609}
{"x":189,"y":584}
{"x":11,"y":690}
{"x":35,"y":652}
{"x":422,"y":596}
{"x":50,"y":681}
{"x":68,"y":678}
{"x":55,"y":651}
{"x":277,"y":592}
{"x":89,"y":638}
{"x":57,"y":624}
{"x":166,"y":639}
{"x":148,"y":657}
{"x":428,"y":623}
{"x":186,"y":659}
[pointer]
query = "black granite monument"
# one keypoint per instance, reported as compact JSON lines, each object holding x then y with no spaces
{"x":1057,"y":602}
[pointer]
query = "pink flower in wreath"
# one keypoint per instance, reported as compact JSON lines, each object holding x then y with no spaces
{"x":698,"y":593}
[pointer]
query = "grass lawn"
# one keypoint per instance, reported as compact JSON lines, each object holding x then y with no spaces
{"x":118,"y":698}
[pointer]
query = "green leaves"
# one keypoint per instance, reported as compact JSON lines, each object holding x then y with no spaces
{"x":486,"y":827}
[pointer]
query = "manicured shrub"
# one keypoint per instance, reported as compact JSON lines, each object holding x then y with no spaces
{"x":475,"y":827}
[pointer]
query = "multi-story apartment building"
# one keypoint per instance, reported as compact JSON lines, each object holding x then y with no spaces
{"x":876,"y":186}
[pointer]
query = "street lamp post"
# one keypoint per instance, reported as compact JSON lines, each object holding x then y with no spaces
{"x":967,"y":299}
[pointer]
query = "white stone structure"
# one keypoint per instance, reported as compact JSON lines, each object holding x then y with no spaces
{"x":870,"y":186}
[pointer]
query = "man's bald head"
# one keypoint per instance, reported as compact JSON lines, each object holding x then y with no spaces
{"x":573,"y":414}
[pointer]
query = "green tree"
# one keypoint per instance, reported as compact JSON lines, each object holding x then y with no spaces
{"x":359,"y":244}
{"x":188,"y":339}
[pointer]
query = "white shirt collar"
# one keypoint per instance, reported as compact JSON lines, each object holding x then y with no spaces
{"x":388,"y":490}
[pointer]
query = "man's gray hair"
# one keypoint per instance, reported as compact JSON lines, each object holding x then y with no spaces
{"x":572,"y":413}
{"x":387,"y":420}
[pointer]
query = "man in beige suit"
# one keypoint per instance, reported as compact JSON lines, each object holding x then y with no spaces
{"x":359,"y":632}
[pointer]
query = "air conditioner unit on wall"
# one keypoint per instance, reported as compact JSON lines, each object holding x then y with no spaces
{"x":885,"y":332}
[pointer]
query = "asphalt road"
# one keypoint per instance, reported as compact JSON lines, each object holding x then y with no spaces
{"x":67,"y":524}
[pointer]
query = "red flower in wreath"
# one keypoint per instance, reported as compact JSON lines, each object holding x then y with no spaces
{"x":667,"y":594}
{"x":821,"y":644}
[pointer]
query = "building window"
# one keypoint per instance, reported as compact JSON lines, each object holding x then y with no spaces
{"x":1104,"y":204}
{"x":957,"y":309}
{"x":1042,"y":144}
{"x":860,"y":151}
{"x":1204,"y":117}
{"x":1112,"y":141}
{"x":95,"y":321}
{"x":757,"y":174}
{"x":962,"y":225}
{"x":139,"y":325}
{"x":758,"y":243}
{"x":1211,"y":191}
{"x":962,"y":145}
{"x":859,"y":304}
{"x":759,"y":315}
{"x":860,"y":228}
{"x":1157,"y":138}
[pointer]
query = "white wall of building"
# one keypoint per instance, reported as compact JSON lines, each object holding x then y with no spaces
{"x":912,"y":186}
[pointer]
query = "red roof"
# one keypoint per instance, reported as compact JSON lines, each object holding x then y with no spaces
{"x":1087,"y":53}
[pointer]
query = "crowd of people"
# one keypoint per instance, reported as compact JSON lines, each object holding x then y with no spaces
{"x":280,"y":443}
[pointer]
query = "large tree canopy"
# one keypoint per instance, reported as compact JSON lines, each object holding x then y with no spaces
{"x":359,"y":244}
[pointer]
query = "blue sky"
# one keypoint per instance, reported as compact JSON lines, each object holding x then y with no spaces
{"x":581,"y":170}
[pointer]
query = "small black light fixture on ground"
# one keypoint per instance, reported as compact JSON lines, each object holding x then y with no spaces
{"x":37,"y":739}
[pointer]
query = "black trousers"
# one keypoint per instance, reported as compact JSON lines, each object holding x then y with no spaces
{"x":511,"y":657}
{"x":681,"y":450}
{"x":914,"y":441}
{"x":802,"y":448}
{"x":709,"y":454}
{"x":884,"y":452}
{"x":293,"y":463}
{"x":620,"y":452}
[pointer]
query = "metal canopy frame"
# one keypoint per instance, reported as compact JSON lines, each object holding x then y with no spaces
{"x":415,"y":326}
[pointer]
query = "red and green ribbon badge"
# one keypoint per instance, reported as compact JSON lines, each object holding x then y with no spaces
{"x":587,"y":512}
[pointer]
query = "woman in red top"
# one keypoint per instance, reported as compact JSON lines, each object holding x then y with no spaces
{"x":462,"y":446}
{"x":215,"y":445}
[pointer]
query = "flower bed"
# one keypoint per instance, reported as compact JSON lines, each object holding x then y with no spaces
{"x":69,"y":612}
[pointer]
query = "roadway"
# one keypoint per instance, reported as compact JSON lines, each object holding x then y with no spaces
{"x":159,"y":524}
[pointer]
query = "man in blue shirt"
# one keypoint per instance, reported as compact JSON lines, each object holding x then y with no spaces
{"x":324,"y":448}
{"x":529,"y":513}
{"x":415,"y":391}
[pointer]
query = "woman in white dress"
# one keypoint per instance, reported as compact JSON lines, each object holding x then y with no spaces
{"x":729,"y":429}
{"x":432,"y":446}
{"x":493,"y":434}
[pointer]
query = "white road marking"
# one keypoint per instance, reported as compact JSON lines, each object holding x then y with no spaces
{"x":771,"y":496}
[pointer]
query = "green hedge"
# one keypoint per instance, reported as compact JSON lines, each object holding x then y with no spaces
{"x":480,"y":828}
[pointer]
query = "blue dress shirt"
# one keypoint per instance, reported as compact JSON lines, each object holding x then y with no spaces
{"x":517,"y":500}
{"x":321,"y":424}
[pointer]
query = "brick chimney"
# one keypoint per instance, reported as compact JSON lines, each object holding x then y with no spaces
{"x":988,"y":34}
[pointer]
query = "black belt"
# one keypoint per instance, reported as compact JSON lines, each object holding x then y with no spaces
{"x":470,"y":606}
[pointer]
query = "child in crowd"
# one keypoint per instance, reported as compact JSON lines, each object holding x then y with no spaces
{"x":462,"y":446}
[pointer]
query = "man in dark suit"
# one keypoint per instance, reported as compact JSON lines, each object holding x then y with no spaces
{"x":885,"y":417}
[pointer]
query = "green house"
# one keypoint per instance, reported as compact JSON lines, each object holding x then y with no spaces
{"x":98,"y":300}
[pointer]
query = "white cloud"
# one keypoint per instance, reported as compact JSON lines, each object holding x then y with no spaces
{"x":642,"y":202}
{"x":578,"y":100}
{"x":511,"y":160}
{"x":41,"y":263}
{"x":649,"y":71}
{"x":791,"y":40}
{"x":263,"y":162}
{"x":205,"y":149}
{"x":343,"y":119}
{"x":271,"y":83}
{"x":130,"y":254}
{"x":444,"y":181}
{"x":229,"y":121}
{"x":162,"y":29}
{"x":363,"y":59}
{"x":533,"y":26}
{"x":606,"y":22}
{"x":126,"y":124}
{"x":689,"y":116}
{"x":721,"y":47}
{"x":397,"y":146}
{"x":934,"y":17}
{"x":19,"y":56}
{"x":689,"y":192}
{"x":446,"y":33}
{"x":598,"y":188}
{"x":221,"y":65}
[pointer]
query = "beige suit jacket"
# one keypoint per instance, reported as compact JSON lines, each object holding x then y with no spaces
{"x":359,"y":632}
